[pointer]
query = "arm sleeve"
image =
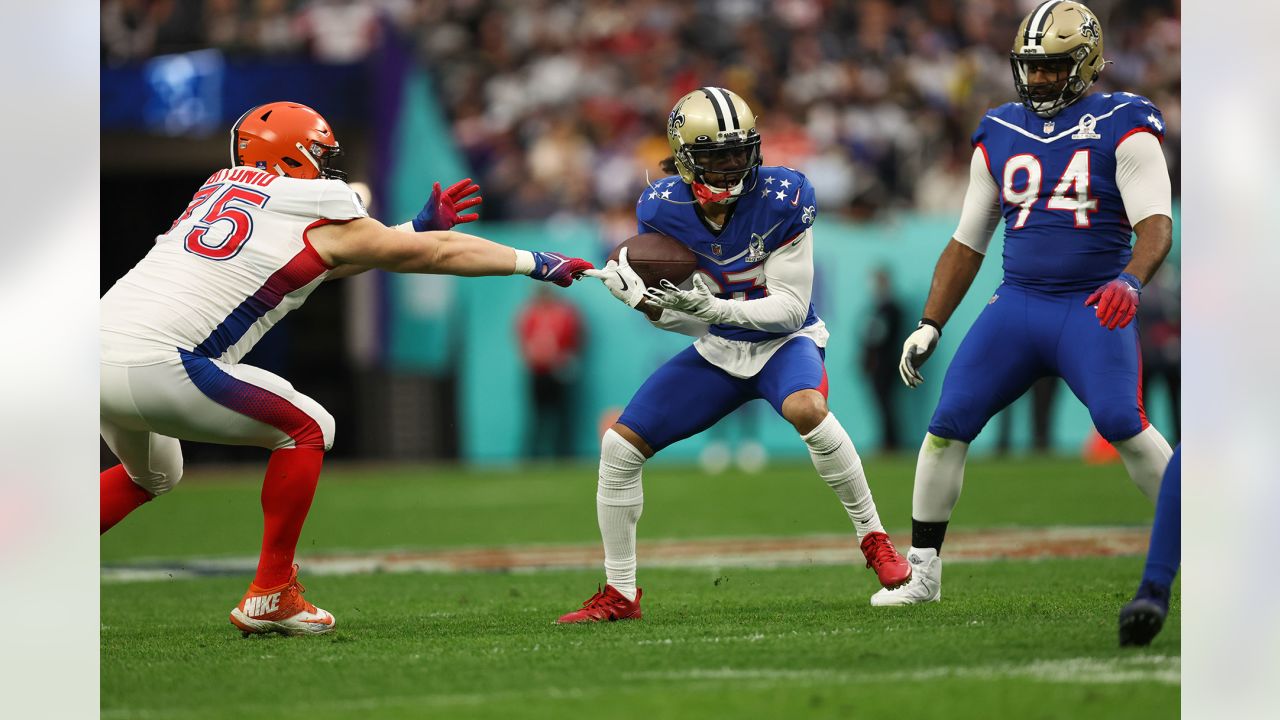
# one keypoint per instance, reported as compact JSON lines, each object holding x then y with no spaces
{"x":1143,"y":177}
{"x":788,"y":274}
{"x":981,"y":212}
{"x":678,"y":322}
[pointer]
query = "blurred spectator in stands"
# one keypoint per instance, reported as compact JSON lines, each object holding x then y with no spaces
{"x":1161,"y":337}
{"x":550,"y":333}
{"x":881,"y":348}
{"x":876,"y":98}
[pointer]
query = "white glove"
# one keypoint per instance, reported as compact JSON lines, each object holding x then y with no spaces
{"x":698,"y":302}
{"x":918,"y":347}
{"x":622,"y":281}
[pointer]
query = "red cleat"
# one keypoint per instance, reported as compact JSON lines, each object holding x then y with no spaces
{"x":891,"y":568}
{"x":607,"y":604}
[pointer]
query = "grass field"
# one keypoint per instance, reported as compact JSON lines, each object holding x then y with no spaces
{"x":1012,"y":638}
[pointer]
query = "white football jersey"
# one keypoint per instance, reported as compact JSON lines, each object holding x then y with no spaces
{"x":234,"y":263}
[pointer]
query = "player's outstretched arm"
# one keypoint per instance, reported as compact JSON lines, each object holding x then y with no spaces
{"x":367,"y":242}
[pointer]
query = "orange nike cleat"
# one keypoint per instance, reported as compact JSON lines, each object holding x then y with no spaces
{"x":607,"y":604}
{"x":891,"y":568}
{"x":280,"y":609}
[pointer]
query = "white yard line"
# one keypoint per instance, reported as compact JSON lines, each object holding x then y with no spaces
{"x":962,"y":546}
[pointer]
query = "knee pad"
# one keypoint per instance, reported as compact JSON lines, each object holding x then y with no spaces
{"x":1116,"y":421}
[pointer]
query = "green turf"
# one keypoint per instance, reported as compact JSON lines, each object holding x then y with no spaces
{"x":1011,"y":639}
{"x":361,"y":508}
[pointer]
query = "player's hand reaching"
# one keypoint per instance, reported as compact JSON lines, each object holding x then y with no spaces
{"x":698,"y":302}
{"x":559,"y":269}
{"x":918,"y":347}
{"x":1117,"y":301}
{"x":622,"y":281}
{"x":443,"y":207}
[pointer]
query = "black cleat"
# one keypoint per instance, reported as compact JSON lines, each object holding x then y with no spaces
{"x":1142,"y":618}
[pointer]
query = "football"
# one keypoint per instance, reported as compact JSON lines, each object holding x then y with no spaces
{"x":656,"y":257}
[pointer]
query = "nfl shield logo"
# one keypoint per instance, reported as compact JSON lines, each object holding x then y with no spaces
{"x":1048,"y":127}
{"x":715,"y":249}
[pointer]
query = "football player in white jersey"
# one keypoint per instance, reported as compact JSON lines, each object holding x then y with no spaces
{"x":255,"y":240}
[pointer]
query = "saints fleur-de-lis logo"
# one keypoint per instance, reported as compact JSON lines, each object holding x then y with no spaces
{"x":806,"y":217}
{"x":1089,"y":29}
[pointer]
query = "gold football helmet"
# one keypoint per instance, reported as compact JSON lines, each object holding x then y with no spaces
{"x":713,"y":136}
{"x":1057,"y":54}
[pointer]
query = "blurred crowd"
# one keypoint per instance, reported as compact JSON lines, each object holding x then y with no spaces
{"x":559,"y":105}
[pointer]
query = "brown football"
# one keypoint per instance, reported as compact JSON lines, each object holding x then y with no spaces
{"x":655,"y":257}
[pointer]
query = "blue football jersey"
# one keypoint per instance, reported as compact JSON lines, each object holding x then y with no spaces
{"x":772,"y":212}
{"x":1065,"y":225}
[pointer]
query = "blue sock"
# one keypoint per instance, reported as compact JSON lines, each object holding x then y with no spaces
{"x":1165,"y":552}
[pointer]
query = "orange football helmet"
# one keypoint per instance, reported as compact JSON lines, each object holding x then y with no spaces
{"x":285,"y":138}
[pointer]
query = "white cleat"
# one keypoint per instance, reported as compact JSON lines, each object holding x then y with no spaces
{"x":925,"y":585}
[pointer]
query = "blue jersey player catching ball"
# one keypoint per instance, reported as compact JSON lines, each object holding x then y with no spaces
{"x":748,"y":304}
{"x":1075,"y":176}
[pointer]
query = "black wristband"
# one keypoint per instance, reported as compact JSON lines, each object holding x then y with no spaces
{"x":930,"y":323}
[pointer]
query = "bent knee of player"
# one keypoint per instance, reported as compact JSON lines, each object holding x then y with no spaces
{"x":1116,"y":421}
{"x":805,"y":410}
{"x":956,"y":418}
{"x":317,"y":433}
{"x":162,"y":476}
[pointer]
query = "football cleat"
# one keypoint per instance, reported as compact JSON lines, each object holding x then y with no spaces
{"x":607,"y":604}
{"x":891,"y":568}
{"x":1142,"y":618}
{"x":280,"y":609}
{"x":925,"y":585}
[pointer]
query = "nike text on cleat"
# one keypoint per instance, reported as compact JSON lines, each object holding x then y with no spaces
{"x":606,"y":605}
{"x":924,"y":586}
{"x":891,"y":568}
{"x":280,"y":609}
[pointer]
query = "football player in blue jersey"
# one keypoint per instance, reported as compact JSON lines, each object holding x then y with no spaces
{"x":1074,"y":175}
{"x":748,"y":304}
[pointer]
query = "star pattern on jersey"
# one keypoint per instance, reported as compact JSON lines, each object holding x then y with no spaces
{"x":1155,"y":121}
{"x":671,"y":184}
{"x":653,"y":195}
{"x":666,"y":193}
{"x":786,"y":183}
{"x":782,"y":194}
{"x":764,"y":193}
{"x":768,"y":180}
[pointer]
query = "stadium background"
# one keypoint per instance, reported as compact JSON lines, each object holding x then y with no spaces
{"x":557,"y":109}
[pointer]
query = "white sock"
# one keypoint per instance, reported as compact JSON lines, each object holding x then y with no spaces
{"x":1145,"y":456}
{"x":619,"y":502}
{"x":939,"y":478}
{"x":837,"y":463}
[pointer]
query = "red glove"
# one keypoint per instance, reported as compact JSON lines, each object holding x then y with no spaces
{"x":559,"y":269}
{"x":1117,"y":301}
{"x":442,"y":208}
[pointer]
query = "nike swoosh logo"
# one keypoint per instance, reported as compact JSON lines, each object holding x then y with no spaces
{"x":623,"y":281}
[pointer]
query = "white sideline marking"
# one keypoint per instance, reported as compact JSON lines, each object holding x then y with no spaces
{"x":962,"y":546}
{"x":1083,"y":670}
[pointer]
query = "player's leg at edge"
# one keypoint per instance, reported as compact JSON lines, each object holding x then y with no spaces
{"x":838,"y":464}
{"x":619,"y":503}
{"x":938,"y":481}
{"x":1143,"y":617}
